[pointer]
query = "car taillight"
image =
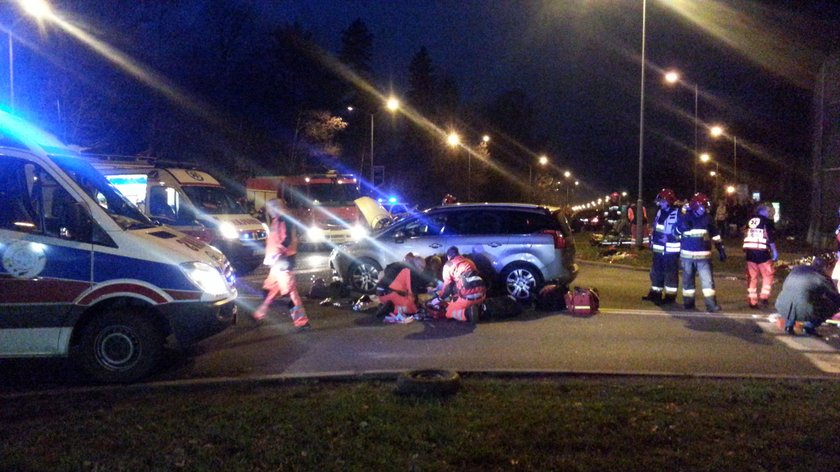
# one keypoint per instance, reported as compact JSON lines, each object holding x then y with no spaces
{"x":559,"y":240}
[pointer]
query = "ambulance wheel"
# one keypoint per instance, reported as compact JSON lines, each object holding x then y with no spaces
{"x":429,"y":382}
{"x":120,"y":347}
{"x":522,"y":281}
{"x":363,"y":275}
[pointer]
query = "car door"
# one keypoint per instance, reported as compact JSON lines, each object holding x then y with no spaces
{"x":46,"y":258}
{"x":422,"y":236}
{"x":478,"y":233}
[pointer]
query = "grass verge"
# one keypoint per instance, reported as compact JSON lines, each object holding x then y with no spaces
{"x":576,"y":423}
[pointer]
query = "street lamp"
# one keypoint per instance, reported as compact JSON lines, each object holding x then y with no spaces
{"x":542,"y":160}
{"x":38,"y":9}
{"x":568,"y":176}
{"x":639,"y":202}
{"x":392,"y":105}
{"x":673,"y":77}
{"x":717,"y":131}
{"x":454,"y":140}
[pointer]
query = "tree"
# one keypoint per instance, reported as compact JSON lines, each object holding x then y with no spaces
{"x":357,"y":47}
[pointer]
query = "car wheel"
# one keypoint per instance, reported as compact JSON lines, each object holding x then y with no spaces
{"x":429,"y":382}
{"x":120,"y":347}
{"x":522,"y":281}
{"x":363,"y":275}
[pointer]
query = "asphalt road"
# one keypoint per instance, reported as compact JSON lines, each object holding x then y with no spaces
{"x":628,"y":336}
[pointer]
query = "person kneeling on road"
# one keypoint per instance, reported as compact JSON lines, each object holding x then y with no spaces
{"x":463,"y":284}
{"x":808,"y":295}
{"x":398,"y":288}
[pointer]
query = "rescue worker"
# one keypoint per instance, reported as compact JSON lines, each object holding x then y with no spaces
{"x":697,"y":232}
{"x":463,"y":285}
{"x":612,"y":214}
{"x":631,"y":219}
{"x":761,"y":254}
{"x":664,"y":271}
{"x":280,"y":250}
{"x":835,"y":274}
{"x":398,"y":288}
{"x":809,"y":296}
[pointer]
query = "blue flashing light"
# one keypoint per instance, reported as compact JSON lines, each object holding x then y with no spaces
{"x":392,"y":199}
{"x":379,"y":200}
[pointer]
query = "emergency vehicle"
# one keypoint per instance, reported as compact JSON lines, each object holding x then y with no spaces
{"x":326,"y":206}
{"x":190,"y":200}
{"x":86,"y":275}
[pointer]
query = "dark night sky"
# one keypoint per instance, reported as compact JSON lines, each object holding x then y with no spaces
{"x":578,"y":60}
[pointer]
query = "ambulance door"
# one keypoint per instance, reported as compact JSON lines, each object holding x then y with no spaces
{"x":169,"y":205}
{"x":45,"y":244}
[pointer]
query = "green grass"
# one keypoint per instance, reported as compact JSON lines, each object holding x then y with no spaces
{"x":586,"y":424}
{"x":789,"y":251}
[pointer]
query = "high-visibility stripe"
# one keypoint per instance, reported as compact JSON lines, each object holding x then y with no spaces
{"x":688,"y":292}
{"x":708,"y":292}
{"x":686,"y":254}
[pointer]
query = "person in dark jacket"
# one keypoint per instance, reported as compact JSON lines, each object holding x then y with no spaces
{"x":808,"y":295}
{"x":697,"y":233}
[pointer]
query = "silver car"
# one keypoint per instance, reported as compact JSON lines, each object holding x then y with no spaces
{"x":516,"y":246}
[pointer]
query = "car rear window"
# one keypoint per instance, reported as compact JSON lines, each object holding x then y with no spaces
{"x":526,"y":222}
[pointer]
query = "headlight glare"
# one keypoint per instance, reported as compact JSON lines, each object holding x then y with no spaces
{"x":358,"y":232}
{"x":206,"y":277}
{"x":316,"y":234}
{"x":228,"y":230}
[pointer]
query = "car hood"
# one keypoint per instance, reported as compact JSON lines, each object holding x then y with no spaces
{"x":374,"y":213}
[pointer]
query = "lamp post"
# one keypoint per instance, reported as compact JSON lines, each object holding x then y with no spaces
{"x":392,"y":105}
{"x":640,"y":202}
{"x":454,"y":140}
{"x":568,"y":176}
{"x":673,"y":77}
{"x":717,"y":131}
{"x":543,"y":160}
{"x":37,"y":9}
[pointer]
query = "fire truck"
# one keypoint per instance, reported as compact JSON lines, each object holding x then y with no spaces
{"x":328,"y":208}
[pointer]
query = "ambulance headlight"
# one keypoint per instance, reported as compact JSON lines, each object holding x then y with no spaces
{"x":228,"y":230}
{"x":358,"y":232}
{"x":315,"y":234}
{"x":206,"y":277}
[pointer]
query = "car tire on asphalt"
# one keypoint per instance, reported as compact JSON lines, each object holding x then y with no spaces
{"x":522,"y":281}
{"x":428,"y":382}
{"x":120,"y":346}
{"x":363,"y":275}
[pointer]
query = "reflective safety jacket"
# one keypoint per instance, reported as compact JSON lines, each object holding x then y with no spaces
{"x":461,"y":278}
{"x":664,"y":241}
{"x":757,"y":239}
{"x":696,"y":233}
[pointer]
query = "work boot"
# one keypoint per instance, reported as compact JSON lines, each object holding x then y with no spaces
{"x":712,"y":306}
{"x":688,"y":303}
{"x":667,"y":300}
{"x":652,"y":296}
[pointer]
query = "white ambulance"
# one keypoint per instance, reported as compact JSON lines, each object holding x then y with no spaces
{"x":191,"y":201}
{"x":86,"y":275}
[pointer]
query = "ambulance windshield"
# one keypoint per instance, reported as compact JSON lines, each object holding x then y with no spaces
{"x":124,"y":213}
{"x":213,"y":200}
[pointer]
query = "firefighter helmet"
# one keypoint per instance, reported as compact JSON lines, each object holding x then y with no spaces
{"x":698,"y":200}
{"x":449,"y":199}
{"x":614,"y":197}
{"x":667,"y":195}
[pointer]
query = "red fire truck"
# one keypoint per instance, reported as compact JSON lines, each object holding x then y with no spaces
{"x":324,"y":205}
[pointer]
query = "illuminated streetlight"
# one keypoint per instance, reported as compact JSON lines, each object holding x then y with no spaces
{"x":542,"y":160}
{"x":485,"y":138}
{"x":39,"y":9}
{"x":717,"y":131}
{"x":392,"y":104}
{"x":453,"y":139}
{"x":673,"y":77}
{"x":705,"y":157}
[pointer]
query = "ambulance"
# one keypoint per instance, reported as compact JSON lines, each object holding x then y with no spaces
{"x":86,"y":275}
{"x":190,"y":200}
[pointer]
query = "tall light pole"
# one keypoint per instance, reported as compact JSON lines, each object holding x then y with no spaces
{"x":640,"y":202}
{"x":568,"y":176}
{"x":717,"y":131}
{"x":38,"y":9}
{"x":543,"y":160}
{"x":453,"y":139}
{"x":673,"y":77}
{"x":392,"y":105}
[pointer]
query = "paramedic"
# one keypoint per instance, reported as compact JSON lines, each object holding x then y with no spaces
{"x":463,"y":285}
{"x":761,"y":254}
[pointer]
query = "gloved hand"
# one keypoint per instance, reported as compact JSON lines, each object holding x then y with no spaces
{"x":722,"y":253}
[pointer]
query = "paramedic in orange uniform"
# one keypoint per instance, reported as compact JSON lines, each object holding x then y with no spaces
{"x":461,"y":282}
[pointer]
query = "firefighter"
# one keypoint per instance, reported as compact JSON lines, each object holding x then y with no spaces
{"x":664,"y":271}
{"x":280,"y":250}
{"x":398,"y":288}
{"x":449,"y":199}
{"x":463,"y":285}
{"x":612,"y":214}
{"x":761,"y":254}
{"x":697,"y":233}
